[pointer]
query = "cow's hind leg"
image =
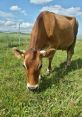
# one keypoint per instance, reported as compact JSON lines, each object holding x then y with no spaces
{"x":69,"y":56}
{"x":70,"y":52}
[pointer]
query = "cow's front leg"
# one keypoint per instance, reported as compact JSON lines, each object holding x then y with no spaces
{"x":49,"y":69}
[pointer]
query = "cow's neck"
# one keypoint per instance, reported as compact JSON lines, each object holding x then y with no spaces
{"x":38,"y":45}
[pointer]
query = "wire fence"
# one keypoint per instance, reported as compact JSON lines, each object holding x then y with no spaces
{"x":7,"y":42}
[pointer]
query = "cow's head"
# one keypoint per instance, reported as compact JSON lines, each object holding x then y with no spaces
{"x":32,"y":63}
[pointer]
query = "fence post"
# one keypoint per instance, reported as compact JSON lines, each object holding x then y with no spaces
{"x":19,"y":34}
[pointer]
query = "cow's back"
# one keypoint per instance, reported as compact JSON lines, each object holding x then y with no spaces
{"x":52,"y":30}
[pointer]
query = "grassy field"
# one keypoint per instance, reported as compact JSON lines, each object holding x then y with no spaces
{"x":60,"y":93}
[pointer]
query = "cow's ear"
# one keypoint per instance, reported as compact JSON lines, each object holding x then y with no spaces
{"x":47,"y":53}
{"x":18,"y":53}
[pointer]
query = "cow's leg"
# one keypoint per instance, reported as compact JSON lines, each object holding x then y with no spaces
{"x":69,"y":56}
{"x":49,"y":69}
{"x":70,"y":52}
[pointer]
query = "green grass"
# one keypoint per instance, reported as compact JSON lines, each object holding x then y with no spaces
{"x":60,"y":93}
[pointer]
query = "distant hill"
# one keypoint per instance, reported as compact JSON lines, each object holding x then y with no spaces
{"x":79,"y":36}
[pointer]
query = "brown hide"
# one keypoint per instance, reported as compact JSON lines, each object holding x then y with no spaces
{"x":53,"y":31}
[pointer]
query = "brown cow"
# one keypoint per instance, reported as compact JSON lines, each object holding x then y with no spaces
{"x":50,"y":32}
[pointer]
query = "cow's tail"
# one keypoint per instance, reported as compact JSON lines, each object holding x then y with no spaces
{"x":76,"y":28}
{"x":76,"y":25}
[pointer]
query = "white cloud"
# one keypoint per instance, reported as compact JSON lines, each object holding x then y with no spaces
{"x":72,"y":11}
{"x":24,"y":12}
{"x":13,"y":26}
{"x":9,"y":23}
{"x":40,"y":1}
{"x":6,"y":14}
{"x":26,"y":25}
{"x":1,"y":23}
{"x":16,"y":8}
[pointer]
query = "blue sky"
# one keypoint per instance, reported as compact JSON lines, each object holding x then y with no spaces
{"x":24,"y":12}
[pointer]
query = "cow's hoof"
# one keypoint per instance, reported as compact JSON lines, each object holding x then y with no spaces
{"x":67,"y":66}
{"x":48,"y":71}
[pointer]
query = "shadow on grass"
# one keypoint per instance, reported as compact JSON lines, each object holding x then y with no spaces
{"x":59,"y":73}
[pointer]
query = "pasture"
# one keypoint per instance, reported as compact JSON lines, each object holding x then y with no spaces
{"x":60,"y":93}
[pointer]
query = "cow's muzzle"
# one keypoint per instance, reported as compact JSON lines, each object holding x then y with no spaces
{"x":33,"y":87}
